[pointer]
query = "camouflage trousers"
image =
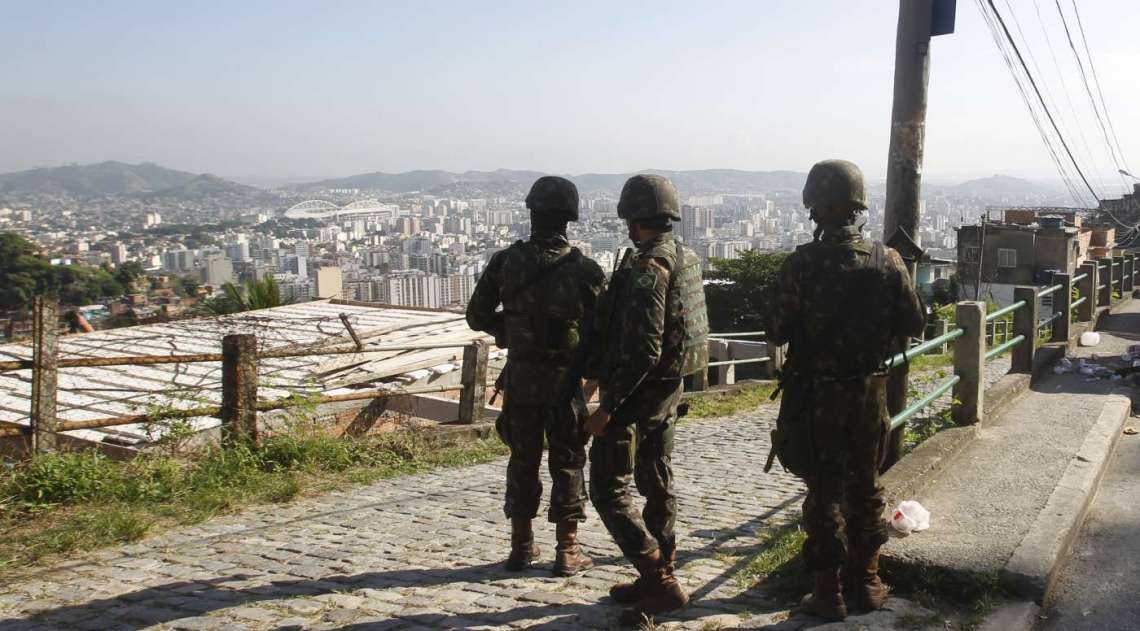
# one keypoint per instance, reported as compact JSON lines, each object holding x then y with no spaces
{"x":528,"y":425}
{"x":638,"y":444}
{"x":844,"y":504}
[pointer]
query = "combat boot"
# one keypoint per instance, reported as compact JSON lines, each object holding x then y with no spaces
{"x":524,"y":550}
{"x":826,"y":600}
{"x":659,"y":591}
{"x":861,"y":582}
{"x":568,"y":556}
{"x":629,"y":593}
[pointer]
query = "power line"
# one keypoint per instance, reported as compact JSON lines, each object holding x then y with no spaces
{"x":1085,"y":82}
{"x":1064,"y":84}
{"x":1096,"y":80}
{"x":1017,"y":81}
{"x":1048,"y":92}
{"x":1037,"y":91}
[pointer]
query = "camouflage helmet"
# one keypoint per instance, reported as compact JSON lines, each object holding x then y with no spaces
{"x":648,"y":197}
{"x":835,"y":186}
{"x":554,"y":196}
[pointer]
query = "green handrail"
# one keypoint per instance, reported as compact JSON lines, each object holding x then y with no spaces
{"x":912,"y":409}
{"x":733,"y":362}
{"x":1004,"y":310}
{"x":1003,"y":347}
{"x":1046,"y":292}
{"x":925,"y":347}
{"x":1080,"y":277}
{"x":1050,"y":319}
{"x":1078,"y":301}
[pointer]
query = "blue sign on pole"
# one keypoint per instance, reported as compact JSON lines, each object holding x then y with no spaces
{"x":942,"y":17}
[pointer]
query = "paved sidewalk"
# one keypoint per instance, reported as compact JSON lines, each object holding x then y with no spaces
{"x":424,"y":552}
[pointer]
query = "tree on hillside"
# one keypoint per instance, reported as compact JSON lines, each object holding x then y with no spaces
{"x":742,"y":294}
{"x":254,"y":295}
{"x":24,"y":275}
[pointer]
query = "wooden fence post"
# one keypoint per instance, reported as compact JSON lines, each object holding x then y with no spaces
{"x":45,"y":352}
{"x":239,"y":389}
{"x":1088,"y":289}
{"x":1025,"y":323}
{"x":473,"y":397}
{"x":1062,"y":301}
{"x":969,"y":363}
{"x":1118,"y":275}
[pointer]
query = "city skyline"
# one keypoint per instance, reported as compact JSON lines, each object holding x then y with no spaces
{"x":305,"y":92}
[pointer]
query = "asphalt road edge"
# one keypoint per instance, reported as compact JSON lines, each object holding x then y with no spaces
{"x":1037,"y":561}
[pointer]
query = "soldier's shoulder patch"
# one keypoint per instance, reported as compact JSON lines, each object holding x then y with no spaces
{"x":645,"y":280}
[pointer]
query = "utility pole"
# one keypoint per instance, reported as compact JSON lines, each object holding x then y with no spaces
{"x":919,"y":20}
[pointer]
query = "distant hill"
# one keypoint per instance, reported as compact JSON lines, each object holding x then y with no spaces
{"x":998,"y":186}
{"x":94,"y":180}
{"x":504,"y":180}
{"x":207,"y":185}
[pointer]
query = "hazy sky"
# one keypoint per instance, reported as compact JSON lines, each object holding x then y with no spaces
{"x":245,"y":88}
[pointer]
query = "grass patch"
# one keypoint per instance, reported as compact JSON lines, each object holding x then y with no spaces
{"x":747,"y":398}
{"x":777,"y":568}
{"x":961,"y":601}
{"x":57,"y":503}
{"x":932,"y":362}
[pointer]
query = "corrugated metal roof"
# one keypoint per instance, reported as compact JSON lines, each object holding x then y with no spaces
{"x":100,"y":392}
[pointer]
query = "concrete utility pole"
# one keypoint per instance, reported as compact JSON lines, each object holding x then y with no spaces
{"x":919,"y":20}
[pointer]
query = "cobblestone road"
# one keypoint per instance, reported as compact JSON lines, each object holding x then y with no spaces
{"x":424,"y":552}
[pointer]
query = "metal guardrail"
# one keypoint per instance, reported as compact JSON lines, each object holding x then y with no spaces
{"x":732,"y":362}
{"x":924,"y":348}
{"x":899,"y":419}
{"x":1080,"y":277}
{"x":990,"y":317}
{"x":1048,"y":290}
{"x":1003,"y":347}
{"x":717,"y":336}
{"x":728,"y":336}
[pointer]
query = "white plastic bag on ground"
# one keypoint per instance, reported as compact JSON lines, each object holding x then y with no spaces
{"x":1090,"y":338}
{"x":910,"y":516}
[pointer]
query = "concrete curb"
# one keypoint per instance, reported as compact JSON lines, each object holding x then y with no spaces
{"x":911,"y":474}
{"x":1038,"y":559}
{"x":1004,"y":392}
{"x":1020,"y":616}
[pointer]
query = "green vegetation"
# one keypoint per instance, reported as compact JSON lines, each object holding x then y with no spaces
{"x":777,"y":569}
{"x":745,"y":298}
{"x":24,"y":274}
{"x":961,"y":601}
{"x":61,"y":502}
{"x":727,"y":403}
{"x":261,"y":294}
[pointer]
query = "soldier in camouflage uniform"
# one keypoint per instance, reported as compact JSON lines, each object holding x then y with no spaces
{"x":546,"y":289}
{"x":845,"y":304}
{"x":653,"y":331}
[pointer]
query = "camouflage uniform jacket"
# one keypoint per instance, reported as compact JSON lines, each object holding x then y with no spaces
{"x":841,"y":315}
{"x":633,"y":321}
{"x":541,"y":323}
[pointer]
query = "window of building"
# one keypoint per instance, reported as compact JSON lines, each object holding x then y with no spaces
{"x":1007,"y":257}
{"x":970,"y":254}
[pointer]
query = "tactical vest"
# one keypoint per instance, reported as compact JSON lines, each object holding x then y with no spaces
{"x":543,"y":310}
{"x":684,"y":345}
{"x":846,"y":311}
